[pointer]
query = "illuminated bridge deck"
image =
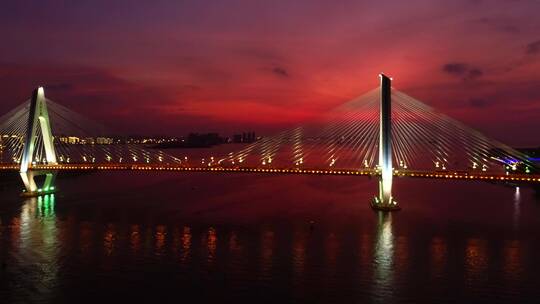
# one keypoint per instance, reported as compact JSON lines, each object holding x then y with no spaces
{"x":456,"y":175}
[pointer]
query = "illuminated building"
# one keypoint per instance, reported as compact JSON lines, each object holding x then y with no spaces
{"x":104,"y":140}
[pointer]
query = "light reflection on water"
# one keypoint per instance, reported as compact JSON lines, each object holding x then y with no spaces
{"x":517,"y":207}
{"x":383,"y":258}
{"x":186,"y":245}
{"x":476,"y":262}
{"x":211,"y":245}
{"x":513,"y":261}
{"x":439,"y":257}
{"x":35,"y":234}
{"x":109,"y":239}
{"x":160,"y":237}
{"x":267,"y":252}
{"x":55,"y":245}
{"x":135,"y":239}
{"x":299,"y":259}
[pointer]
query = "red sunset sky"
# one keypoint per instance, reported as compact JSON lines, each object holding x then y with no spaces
{"x":170,"y":67}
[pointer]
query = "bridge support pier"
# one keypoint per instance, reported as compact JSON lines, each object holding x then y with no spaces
{"x":384,"y":201}
{"x":32,"y":189}
{"x":38,"y":116}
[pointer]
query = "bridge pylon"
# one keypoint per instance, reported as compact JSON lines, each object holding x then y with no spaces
{"x":38,"y":118}
{"x":384,"y":201}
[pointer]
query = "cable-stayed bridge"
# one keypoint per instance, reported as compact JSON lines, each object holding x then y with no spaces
{"x":382,"y":133}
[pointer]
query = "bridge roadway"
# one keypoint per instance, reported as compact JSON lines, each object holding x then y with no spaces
{"x":457,"y":175}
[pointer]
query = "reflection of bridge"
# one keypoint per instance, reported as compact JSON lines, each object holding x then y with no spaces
{"x":386,"y":125}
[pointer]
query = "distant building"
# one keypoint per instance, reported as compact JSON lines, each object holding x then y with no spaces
{"x":196,"y":140}
{"x":88,"y":141}
{"x":104,"y":140}
{"x":246,"y":137}
{"x":72,"y":140}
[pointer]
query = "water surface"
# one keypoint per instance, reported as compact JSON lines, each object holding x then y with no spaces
{"x":171,"y":237}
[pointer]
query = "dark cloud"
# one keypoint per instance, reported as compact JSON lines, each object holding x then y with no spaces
{"x":479,"y":102}
{"x":59,"y":86}
{"x":497,"y":24}
{"x":476,"y":2}
{"x":281,"y":72}
{"x":263,"y":54}
{"x":463,"y":71}
{"x":533,"y":48}
{"x":475,"y":73}
{"x":458,"y":69}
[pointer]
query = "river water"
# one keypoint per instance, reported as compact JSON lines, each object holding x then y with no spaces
{"x":180,"y":237}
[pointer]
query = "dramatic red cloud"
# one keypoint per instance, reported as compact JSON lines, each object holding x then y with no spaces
{"x":171,"y":68}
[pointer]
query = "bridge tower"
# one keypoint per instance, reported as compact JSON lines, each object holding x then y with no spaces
{"x":38,"y":118}
{"x":384,"y":201}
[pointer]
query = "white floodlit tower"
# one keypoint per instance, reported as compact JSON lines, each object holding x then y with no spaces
{"x":384,"y":200}
{"x":38,"y":116}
